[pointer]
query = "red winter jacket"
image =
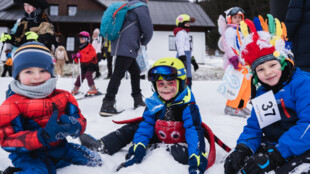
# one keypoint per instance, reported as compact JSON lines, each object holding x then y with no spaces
{"x":22,"y":117}
{"x":88,"y":55}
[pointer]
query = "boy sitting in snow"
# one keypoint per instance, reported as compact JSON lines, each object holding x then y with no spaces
{"x":171,"y":117}
{"x":37,"y":118}
{"x":261,"y":149}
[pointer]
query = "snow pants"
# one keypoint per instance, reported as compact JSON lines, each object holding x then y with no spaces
{"x":188,"y":67}
{"x":87,"y":72}
{"x":123,"y":64}
{"x":120,"y":138}
{"x":244,"y":94}
{"x":47,"y":161}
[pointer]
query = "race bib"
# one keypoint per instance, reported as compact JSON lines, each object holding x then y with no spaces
{"x":266,"y":109}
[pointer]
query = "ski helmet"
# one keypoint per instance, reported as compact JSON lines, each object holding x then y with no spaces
{"x":84,"y":34}
{"x":233,"y":11}
{"x":181,"y":19}
{"x":168,"y":68}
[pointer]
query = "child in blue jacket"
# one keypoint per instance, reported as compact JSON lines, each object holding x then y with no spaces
{"x":171,"y":116}
{"x":261,"y":148}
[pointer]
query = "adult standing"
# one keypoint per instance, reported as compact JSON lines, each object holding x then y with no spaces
{"x":97,"y":44}
{"x":298,"y":26}
{"x":125,"y":48}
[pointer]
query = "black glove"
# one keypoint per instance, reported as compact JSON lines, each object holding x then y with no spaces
{"x":196,"y":67}
{"x":235,"y":160}
{"x":182,"y":58}
{"x":263,"y":162}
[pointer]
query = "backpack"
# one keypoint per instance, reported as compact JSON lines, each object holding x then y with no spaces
{"x":114,"y":17}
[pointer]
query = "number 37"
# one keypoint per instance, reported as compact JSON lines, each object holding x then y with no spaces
{"x":269,"y":106}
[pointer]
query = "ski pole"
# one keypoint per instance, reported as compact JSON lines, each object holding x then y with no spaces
{"x":2,"y":49}
{"x":80,"y":72}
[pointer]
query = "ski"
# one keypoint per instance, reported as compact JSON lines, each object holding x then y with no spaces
{"x":86,"y":96}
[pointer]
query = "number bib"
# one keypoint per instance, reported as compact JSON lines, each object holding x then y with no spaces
{"x":266,"y":109}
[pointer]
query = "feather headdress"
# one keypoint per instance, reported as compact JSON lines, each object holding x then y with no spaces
{"x":261,"y":45}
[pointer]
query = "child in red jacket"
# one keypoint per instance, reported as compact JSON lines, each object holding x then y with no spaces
{"x":88,"y":59}
{"x":36,"y":119}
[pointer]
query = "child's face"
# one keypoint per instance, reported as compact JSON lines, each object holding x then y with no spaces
{"x":236,"y":19}
{"x":82,"y":40}
{"x":29,"y":8}
{"x":167,"y":89}
{"x":269,"y":72}
{"x":187,"y":24}
{"x":34,"y":76}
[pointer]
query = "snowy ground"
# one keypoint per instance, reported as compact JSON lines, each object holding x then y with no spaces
{"x":158,"y":161}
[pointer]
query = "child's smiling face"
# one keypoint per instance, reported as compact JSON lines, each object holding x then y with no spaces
{"x":29,"y":8}
{"x":269,"y":72}
{"x":33,"y":76}
{"x":167,"y":89}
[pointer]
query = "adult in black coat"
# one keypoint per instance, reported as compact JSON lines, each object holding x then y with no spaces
{"x":298,"y":31}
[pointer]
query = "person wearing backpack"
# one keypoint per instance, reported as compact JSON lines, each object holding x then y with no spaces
{"x":137,"y":29}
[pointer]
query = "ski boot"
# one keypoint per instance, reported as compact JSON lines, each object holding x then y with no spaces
{"x":75,"y":90}
{"x":107,"y":108}
{"x":138,"y":101}
{"x":92,"y":90}
{"x":235,"y":112}
{"x":91,"y":143}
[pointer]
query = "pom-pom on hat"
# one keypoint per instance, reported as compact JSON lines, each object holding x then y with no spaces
{"x":32,"y":54}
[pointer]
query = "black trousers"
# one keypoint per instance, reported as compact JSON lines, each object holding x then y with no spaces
{"x":123,"y":64}
{"x":120,"y":138}
{"x":8,"y":69}
{"x":109,"y":64}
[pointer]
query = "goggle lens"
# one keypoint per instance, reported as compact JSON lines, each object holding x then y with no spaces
{"x":166,"y":72}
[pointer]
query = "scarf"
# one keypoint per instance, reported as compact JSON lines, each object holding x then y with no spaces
{"x":83,"y":45}
{"x":177,"y":29}
{"x":34,"y":92}
{"x":33,"y":16}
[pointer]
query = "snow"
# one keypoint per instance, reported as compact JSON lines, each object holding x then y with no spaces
{"x":211,"y":105}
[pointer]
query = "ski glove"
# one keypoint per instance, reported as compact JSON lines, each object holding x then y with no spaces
{"x":234,"y":61}
{"x":78,"y":55}
{"x":5,"y":36}
{"x":263,"y":162}
{"x":182,"y":58}
{"x":197,"y":163}
{"x":71,"y":125}
{"x":30,"y":35}
{"x":135,"y":154}
{"x":53,"y":131}
{"x":193,"y":61}
{"x":235,"y":160}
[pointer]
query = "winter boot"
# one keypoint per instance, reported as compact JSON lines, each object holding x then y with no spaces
{"x":107,"y":108}
{"x":75,"y":90}
{"x":92,"y":143}
{"x":92,"y":90}
{"x":235,"y":112}
{"x":246,"y":111}
{"x":138,"y":101}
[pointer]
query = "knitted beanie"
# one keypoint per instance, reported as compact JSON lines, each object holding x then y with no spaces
{"x":32,"y":54}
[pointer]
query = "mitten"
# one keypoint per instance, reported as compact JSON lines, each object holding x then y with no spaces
{"x":30,"y":35}
{"x":235,"y":160}
{"x":182,"y":58}
{"x":73,"y":56}
{"x":197,"y":164}
{"x":263,"y":162}
{"x":71,"y":125}
{"x":135,"y":154}
{"x":194,"y":63}
{"x":53,"y":131}
{"x":234,"y":61}
{"x":78,"y":55}
{"x":5,"y":37}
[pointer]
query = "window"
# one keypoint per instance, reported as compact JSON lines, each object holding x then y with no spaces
{"x":70,"y":44}
{"x":54,"y":10}
{"x":172,"y":46}
{"x":72,"y":9}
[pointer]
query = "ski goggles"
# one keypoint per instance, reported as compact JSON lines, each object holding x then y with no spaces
{"x":166,"y":72}
{"x":235,"y":10}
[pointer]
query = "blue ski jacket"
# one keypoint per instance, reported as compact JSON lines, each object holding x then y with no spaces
{"x":291,"y":134}
{"x":184,"y":109}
